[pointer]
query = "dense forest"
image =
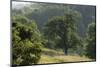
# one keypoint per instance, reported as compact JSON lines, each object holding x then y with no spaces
{"x":52,"y":33}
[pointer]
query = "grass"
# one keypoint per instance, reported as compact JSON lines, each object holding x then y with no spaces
{"x":51,"y":52}
{"x":53,"y":56}
{"x":59,"y":59}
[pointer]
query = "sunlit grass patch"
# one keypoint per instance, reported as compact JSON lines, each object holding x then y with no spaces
{"x":59,"y":59}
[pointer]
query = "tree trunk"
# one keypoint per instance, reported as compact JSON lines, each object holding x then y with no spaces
{"x":65,"y":41}
{"x":65,"y":50}
{"x":65,"y":46}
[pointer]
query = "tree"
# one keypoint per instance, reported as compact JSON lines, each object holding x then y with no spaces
{"x":26,"y":41}
{"x":91,"y":41}
{"x":63,"y":29}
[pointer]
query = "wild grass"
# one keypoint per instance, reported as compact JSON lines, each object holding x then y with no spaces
{"x":53,"y":56}
{"x":51,"y":52}
{"x":59,"y":59}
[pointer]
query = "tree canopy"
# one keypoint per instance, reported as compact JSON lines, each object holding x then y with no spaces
{"x":63,"y":29}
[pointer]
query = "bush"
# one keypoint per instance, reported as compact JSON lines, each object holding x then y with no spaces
{"x":26,"y":43}
{"x":91,"y":41}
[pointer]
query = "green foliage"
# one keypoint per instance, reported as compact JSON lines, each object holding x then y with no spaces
{"x":91,"y":41}
{"x":26,"y":42}
{"x":62,"y":30}
{"x":60,"y":27}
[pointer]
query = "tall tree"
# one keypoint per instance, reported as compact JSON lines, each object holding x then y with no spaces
{"x":64,"y":29}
